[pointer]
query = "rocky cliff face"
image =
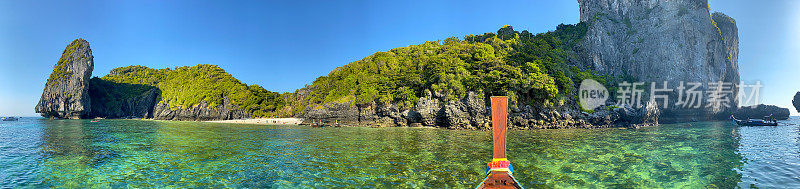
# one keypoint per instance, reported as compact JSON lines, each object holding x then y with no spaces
{"x":120,"y":100}
{"x":662,"y":40}
{"x":201,"y":112}
{"x":66,"y":92}
{"x":104,"y":104}
{"x":730,"y":37}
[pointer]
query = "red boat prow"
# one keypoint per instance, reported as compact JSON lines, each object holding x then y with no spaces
{"x":498,"y":179}
{"x":500,"y":172}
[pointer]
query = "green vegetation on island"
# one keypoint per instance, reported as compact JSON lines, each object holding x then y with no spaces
{"x":185,"y":87}
{"x":530,"y":69}
{"x":60,"y":71}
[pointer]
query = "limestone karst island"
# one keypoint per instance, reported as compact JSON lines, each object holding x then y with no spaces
{"x":398,"y":94}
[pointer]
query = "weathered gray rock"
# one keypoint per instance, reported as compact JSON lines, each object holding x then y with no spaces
{"x":730,"y":36}
{"x":348,"y":114}
{"x":662,"y":40}
{"x":201,"y":112}
{"x":603,"y":117}
{"x":636,"y":117}
{"x":412,"y":117}
{"x":796,"y":101}
{"x":477,"y":112}
{"x":454,"y":116}
{"x":66,"y":93}
{"x":472,"y":113}
{"x":467,"y":113}
{"x":760,"y":111}
{"x":428,"y":107}
{"x":385,"y":116}
{"x":342,"y":112}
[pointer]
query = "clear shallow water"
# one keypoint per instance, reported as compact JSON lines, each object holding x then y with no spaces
{"x":127,"y":153}
{"x":772,"y":155}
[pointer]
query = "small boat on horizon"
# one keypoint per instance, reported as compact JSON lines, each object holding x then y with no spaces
{"x":767,"y":121}
{"x":10,"y":119}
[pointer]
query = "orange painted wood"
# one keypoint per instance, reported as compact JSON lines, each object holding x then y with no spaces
{"x":499,"y":179}
{"x":499,"y":118}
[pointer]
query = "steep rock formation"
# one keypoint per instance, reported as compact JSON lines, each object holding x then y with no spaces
{"x":69,"y":93}
{"x":760,"y":111}
{"x":200,"y":112}
{"x":121,"y":100}
{"x":796,"y":101}
{"x":662,"y":40}
{"x":66,"y":93}
{"x":730,"y":36}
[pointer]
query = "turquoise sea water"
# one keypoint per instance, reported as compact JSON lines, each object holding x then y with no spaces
{"x":37,"y":152}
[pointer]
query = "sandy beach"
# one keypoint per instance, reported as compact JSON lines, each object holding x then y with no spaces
{"x":263,"y":121}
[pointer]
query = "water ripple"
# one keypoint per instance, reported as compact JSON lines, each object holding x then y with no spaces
{"x":128,"y":153}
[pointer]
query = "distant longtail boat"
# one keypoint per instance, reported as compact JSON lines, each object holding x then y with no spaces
{"x":499,"y":171}
{"x":767,"y":121}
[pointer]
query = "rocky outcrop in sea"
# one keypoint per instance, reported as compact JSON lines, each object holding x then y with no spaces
{"x":66,"y":93}
{"x":761,"y":111}
{"x":69,"y":93}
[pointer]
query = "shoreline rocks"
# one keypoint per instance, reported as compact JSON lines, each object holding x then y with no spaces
{"x":471,"y":113}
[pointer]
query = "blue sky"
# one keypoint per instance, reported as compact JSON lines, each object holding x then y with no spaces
{"x":284,"y":45}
